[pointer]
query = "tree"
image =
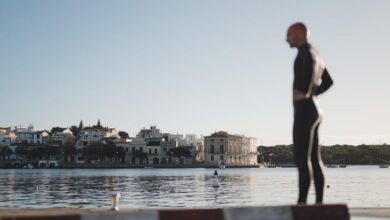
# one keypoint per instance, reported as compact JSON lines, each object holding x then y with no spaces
{"x":5,"y":152}
{"x":123,"y":135}
{"x":69,"y":149}
{"x":55,"y":129}
{"x":345,"y":154}
{"x":120,"y":154}
{"x":24,"y":152}
{"x":98,"y":125}
{"x":81,"y":126}
{"x":110,"y":150}
{"x":75,"y":130}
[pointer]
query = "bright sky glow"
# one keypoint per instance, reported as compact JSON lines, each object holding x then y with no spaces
{"x":192,"y":66}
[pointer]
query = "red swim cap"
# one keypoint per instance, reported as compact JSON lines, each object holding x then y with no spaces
{"x":299,"y":28}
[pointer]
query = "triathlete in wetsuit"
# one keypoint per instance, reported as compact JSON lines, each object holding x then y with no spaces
{"x":308,"y":72}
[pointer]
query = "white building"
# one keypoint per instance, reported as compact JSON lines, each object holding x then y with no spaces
{"x":4,"y":140}
{"x":150,"y":146}
{"x":221,"y":147}
{"x":153,"y":150}
{"x":93,"y":135}
{"x":89,"y":136}
{"x":61,"y":136}
{"x":192,"y":139}
{"x":186,"y":140}
{"x":7,"y":136}
{"x":29,"y":136}
{"x":153,"y":132}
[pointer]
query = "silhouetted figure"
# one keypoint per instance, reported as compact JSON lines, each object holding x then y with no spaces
{"x":309,"y":70}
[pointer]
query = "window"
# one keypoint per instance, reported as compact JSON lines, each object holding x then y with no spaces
{"x":221,"y":149}
{"x":221,"y":140}
{"x":127,"y":149}
{"x":133,"y":150}
{"x":221,"y":157}
{"x":212,"y":149}
{"x":212,"y":158}
{"x":155,"y":151}
{"x":150,"y":151}
{"x":212,"y":140}
{"x":141,"y":149}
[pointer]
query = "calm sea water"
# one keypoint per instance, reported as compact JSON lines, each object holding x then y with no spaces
{"x":357,"y":186}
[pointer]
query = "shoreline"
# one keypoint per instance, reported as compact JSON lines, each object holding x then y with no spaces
{"x":131,"y":166}
{"x":163,"y":166}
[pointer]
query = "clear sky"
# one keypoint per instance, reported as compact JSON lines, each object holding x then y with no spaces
{"x":194,"y":66}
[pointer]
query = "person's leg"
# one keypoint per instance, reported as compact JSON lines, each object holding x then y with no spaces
{"x":301,"y":139}
{"x":317,"y":167}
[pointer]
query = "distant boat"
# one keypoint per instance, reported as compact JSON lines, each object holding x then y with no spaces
{"x":332,"y":166}
{"x":384,"y":164}
{"x":288,"y":166}
{"x":28,"y":166}
{"x":343,"y":166}
{"x":270,"y":166}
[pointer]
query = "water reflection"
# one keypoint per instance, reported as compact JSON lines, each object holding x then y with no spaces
{"x":181,"y":187}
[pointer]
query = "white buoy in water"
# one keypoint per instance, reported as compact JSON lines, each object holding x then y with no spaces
{"x":215,"y":180}
{"x":216,"y":183}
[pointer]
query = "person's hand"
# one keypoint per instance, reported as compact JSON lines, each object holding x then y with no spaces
{"x":298,"y":95}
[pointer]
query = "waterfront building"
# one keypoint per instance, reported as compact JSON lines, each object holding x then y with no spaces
{"x":7,"y":136}
{"x":61,"y":136}
{"x":191,"y":143}
{"x":147,"y":147}
{"x":221,"y":147}
{"x":29,"y":136}
{"x":153,"y":150}
{"x":199,"y":153}
{"x":151,"y":132}
{"x":4,"y":140}
{"x":186,"y":140}
{"x":92,"y":135}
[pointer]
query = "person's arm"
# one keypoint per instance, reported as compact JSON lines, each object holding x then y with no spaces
{"x":326,"y":83}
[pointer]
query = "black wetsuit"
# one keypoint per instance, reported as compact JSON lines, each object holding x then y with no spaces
{"x":308,"y":72}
